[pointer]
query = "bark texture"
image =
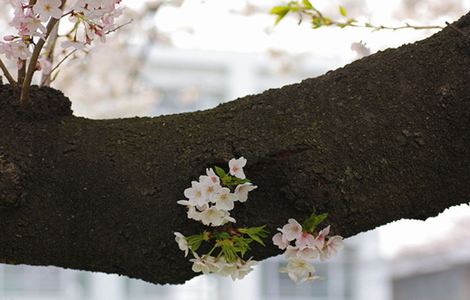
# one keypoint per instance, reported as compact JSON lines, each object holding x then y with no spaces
{"x":384,"y":138}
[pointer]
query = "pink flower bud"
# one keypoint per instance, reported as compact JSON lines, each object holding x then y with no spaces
{"x":9,"y":38}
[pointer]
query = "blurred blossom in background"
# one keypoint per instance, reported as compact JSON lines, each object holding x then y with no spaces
{"x":185,"y":55}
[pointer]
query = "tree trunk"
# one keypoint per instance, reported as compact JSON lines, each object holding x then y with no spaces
{"x":384,"y":138}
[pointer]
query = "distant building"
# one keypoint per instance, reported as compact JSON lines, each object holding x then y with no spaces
{"x":355,"y":274}
{"x":439,"y":270}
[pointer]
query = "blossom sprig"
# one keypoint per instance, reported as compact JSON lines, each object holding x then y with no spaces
{"x":303,"y":244}
{"x":36,"y":22}
{"x":210,"y":201}
{"x":228,"y":247}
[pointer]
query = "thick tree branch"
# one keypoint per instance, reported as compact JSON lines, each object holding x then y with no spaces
{"x":384,"y":138}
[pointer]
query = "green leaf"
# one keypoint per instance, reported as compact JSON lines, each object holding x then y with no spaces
{"x":228,"y":250}
{"x":257,"y":239}
{"x":343,"y":11}
{"x":351,"y":21}
{"x":281,"y":12}
{"x":237,"y":181}
{"x":241,"y":244}
{"x":327,"y":21}
{"x":313,"y":221}
{"x":220,"y":172}
{"x":317,"y":22}
{"x":231,"y":181}
{"x":222,"y":235}
{"x":307,"y":4}
{"x":195,"y":241}
{"x":256,"y":233}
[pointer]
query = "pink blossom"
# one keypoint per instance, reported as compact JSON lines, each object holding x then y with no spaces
{"x":236,"y":167}
{"x":305,"y":240}
{"x":9,"y":38}
{"x":292,"y":230}
{"x":332,"y":246}
{"x":280,"y":241}
{"x":320,"y":239}
{"x":48,"y":9}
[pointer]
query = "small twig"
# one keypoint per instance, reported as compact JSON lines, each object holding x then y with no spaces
{"x":7,"y":74}
{"x":49,"y":51}
{"x":456,"y":29}
{"x":120,"y":26}
{"x":317,"y":13}
{"x":300,"y":18}
{"x":406,"y":26}
{"x":61,"y":62}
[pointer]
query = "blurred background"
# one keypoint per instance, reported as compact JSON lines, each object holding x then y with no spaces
{"x":186,"y":55}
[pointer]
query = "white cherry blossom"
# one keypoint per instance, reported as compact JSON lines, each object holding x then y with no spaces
{"x":204,"y":264}
{"x":291,"y":252}
{"x":194,"y":214}
{"x":228,"y":218}
{"x":182,"y":243}
{"x":212,"y":176}
{"x":236,"y":167}
{"x":243,"y":269}
{"x":30,"y":25}
{"x":292,"y":230}
{"x":320,"y":239}
{"x":305,"y":240}
{"x":242,"y":191}
{"x":15,"y":50}
{"x":212,"y":216}
{"x":224,"y":199}
{"x":209,"y":187}
{"x":228,"y":269}
{"x":280,"y":241}
{"x":308,"y":253}
{"x":48,"y":9}
{"x":332,"y":246}
{"x":299,"y":270}
{"x":236,"y":270}
{"x":195,"y":194}
{"x":306,"y":248}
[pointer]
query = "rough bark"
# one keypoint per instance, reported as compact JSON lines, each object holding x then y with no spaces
{"x":384,"y":138}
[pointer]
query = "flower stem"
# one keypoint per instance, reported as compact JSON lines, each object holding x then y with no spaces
{"x":46,"y":79}
{"x":21,"y":72}
{"x":24,"y":99}
{"x":7,"y":74}
{"x":25,"y":89}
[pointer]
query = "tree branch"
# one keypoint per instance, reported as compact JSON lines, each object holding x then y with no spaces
{"x":381,"y":139}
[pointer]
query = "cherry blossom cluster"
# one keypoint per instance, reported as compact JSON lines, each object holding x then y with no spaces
{"x":210,"y":201}
{"x":302,"y":246}
{"x":34,"y":20}
{"x":97,"y":18}
{"x":229,"y":261}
